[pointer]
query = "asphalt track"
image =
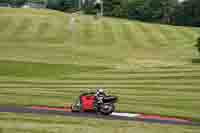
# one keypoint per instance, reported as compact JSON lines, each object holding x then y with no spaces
{"x":94,"y":115}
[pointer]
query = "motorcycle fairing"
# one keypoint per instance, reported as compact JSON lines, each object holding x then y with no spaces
{"x":87,"y":103}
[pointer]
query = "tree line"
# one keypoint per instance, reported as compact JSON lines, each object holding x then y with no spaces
{"x":166,"y":11}
{"x":21,"y":1}
{"x":173,"y":12}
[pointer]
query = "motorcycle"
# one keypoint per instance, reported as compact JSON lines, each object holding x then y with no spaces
{"x":90,"y":102}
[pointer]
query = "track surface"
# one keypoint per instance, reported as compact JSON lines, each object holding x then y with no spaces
{"x":148,"y":119}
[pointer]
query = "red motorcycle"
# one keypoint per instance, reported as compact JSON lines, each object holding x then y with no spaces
{"x":94,"y":102}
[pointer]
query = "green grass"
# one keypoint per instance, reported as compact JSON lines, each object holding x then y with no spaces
{"x":149,"y":66}
{"x":53,"y":124}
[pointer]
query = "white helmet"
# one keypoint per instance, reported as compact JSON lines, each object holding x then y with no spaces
{"x":100,"y":90}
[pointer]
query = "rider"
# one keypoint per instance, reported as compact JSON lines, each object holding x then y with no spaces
{"x":99,"y":95}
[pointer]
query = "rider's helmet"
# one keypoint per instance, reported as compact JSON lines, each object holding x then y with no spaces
{"x":100,"y":90}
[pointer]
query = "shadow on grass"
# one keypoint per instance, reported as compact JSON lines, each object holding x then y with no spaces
{"x":196,"y":60}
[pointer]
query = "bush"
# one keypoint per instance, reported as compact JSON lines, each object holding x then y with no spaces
{"x":198,"y":44}
{"x":4,"y":1}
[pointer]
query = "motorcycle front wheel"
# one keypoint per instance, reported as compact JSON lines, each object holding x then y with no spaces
{"x":107,"y":108}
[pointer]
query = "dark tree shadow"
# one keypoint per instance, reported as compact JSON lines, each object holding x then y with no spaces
{"x":196,"y":60}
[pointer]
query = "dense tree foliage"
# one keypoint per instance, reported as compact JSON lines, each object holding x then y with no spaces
{"x":55,"y":4}
{"x":63,"y":5}
{"x":153,"y":10}
{"x":188,"y":13}
{"x":165,"y":11}
{"x":161,"y":11}
{"x":116,"y":8}
{"x":17,"y":3}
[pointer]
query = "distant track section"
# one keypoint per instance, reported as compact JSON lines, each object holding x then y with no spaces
{"x":44,"y":110}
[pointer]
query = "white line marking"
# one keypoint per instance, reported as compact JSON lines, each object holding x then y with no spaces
{"x":125,"y":114}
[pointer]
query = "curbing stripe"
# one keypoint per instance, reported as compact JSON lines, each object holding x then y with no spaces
{"x":125,"y":114}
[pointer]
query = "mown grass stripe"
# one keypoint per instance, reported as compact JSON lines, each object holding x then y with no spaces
{"x":142,"y":35}
{"x":87,"y":34}
{"x":108,"y":35}
{"x":41,"y":29}
{"x":149,"y":34}
{"x":173,"y":34}
{"x":104,"y":83}
{"x":12,"y":24}
{"x":159,"y":38}
{"x":150,"y":71}
{"x":110,"y":89}
{"x":139,"y":74}
{"x":130,"y":93}
{"x":131,"y":78}
{"x":99,"y":81}
{"x":125,"y":89}
{"x":23,"y":25}
{"x":128,"y":37}
{"x":5,"y":23}
{"x":150,"y":86}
